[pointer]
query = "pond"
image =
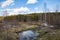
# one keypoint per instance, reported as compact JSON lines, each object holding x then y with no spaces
{"x":27,"y":35}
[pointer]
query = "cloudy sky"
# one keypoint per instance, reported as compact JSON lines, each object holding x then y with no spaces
{"x":15,"y":7}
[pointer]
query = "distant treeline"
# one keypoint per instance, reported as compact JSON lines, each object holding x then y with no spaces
{"x":24,"y":18}
{"x":51,"y":18}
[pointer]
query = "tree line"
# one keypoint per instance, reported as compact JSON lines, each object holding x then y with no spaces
{"x":51,"y":18}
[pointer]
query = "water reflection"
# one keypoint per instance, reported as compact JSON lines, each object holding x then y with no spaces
{"x":27,"y":35}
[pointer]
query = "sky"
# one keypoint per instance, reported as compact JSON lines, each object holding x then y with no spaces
{"x":14,"y":7}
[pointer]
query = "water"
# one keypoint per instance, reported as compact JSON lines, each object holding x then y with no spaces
{"x":27,"y":35}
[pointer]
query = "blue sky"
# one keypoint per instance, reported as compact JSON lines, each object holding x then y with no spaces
{"x":15,"y":7}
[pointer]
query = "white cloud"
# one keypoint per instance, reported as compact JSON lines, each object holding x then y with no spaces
{"x":16,"y":11}
{"x":7,"y":3}
{"x":22,"y":9}
{"x":31,"y":1}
